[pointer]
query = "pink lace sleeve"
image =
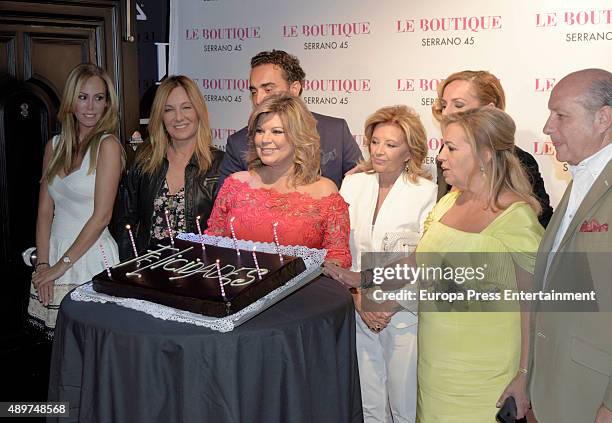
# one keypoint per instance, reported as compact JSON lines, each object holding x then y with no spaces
{"x":217,"y":222}
{"x":336,"y":224}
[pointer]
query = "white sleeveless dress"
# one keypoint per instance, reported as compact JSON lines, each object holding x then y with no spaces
{"x":73,"y":197}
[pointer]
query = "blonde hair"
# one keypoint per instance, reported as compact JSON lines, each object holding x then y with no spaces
{"x":150,"y":156}
{"x":414,"y":136}
{"x":491,"y":129}
{"x":300,"y":129}
{"x":487,"y":89}
{"x":66,"y":151}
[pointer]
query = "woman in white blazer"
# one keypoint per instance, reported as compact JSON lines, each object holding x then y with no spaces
{"x":388,"y":204}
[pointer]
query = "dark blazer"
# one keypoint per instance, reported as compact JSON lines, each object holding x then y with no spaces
{"x":530,"y":165}
{"x":339,"y":151}
{"x":138,"y":191}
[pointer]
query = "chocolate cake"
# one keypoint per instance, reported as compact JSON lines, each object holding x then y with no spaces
{"x":184,"y":276}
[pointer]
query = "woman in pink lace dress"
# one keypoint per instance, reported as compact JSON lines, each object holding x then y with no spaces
{"x":283,"y":185}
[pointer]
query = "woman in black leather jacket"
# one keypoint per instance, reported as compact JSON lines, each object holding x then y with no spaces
{"x":174,"y":176}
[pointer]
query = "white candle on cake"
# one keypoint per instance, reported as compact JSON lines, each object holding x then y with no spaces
{"x":220,"y":279}
{"x":108,"y":272}
{"x":256,"y":263}
{"x":169,"y":227}
{"x":280,"y":256}
{"x":234,"y":235}
{"x":200,"y":232}
{"x":129,"y":229}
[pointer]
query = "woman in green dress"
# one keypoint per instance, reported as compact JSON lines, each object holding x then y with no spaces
{"x":469,"y":362}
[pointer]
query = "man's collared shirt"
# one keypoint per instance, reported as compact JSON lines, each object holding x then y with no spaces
{"x":584,"y":175}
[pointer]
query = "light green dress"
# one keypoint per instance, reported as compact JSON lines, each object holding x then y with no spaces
{"x":466,"y":359}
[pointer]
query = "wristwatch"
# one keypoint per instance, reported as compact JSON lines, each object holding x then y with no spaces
{"x":66,"y":260}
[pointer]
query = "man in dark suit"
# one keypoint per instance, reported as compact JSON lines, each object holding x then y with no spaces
{"x":277,"y":71}
{"x":571,"y":348}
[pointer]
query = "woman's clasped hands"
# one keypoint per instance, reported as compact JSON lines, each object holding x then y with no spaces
{"x":375,"y":320}
{"x":43,"y":279}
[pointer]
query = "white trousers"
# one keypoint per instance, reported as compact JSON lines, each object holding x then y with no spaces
{"x":388,"y":372}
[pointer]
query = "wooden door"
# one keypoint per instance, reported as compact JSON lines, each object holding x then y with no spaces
{"x":40,"y":42}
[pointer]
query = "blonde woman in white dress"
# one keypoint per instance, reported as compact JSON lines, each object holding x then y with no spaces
{"x":81,"y":171}
{"x":388,"y":204}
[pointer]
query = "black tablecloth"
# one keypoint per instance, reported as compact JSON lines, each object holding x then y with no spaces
{"x":295,"y":362}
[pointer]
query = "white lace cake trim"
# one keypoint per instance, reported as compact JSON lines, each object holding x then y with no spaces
{"x":313,"y":259}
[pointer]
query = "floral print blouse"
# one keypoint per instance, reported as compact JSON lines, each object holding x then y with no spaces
{"x":175,"y":205}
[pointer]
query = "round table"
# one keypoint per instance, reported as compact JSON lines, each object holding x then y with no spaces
{"x":295,"y":362}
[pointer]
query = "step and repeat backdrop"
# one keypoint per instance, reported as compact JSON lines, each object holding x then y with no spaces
{"x":360,"y":55}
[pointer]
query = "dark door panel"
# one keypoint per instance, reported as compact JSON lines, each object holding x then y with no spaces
{"x":40,"y":42}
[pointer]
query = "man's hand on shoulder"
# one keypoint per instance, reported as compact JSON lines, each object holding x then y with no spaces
{"x":242,"y":176}
{"x":604,"y":415}
{"x":357,"y":169}
{"x":326,"y":186}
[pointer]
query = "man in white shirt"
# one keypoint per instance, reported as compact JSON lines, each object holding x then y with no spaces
{"x":571,"y":348}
